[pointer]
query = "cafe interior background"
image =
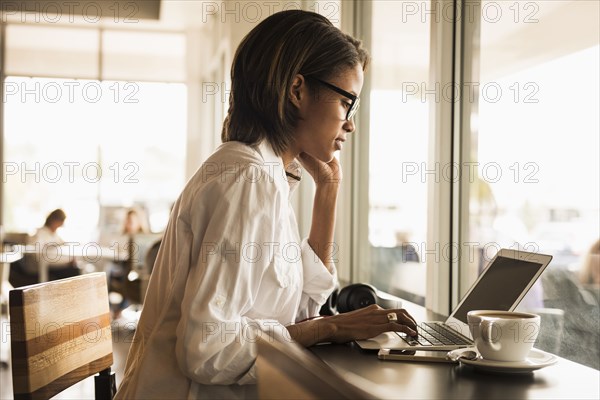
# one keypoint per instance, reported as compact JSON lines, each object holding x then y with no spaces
{"x":477,"y":130}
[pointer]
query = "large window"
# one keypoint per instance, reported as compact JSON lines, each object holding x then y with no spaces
{"x":94,"y":121}
{"x":82,"y":145}
{"x":536,"y":147}
{"x":398,"y":150}
{"x":516,"y":114}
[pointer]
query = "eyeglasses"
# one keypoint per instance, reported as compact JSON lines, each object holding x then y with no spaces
{"x":355,"y":99}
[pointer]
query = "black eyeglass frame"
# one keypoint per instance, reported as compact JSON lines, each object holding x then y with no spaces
{"x":355,"y":99}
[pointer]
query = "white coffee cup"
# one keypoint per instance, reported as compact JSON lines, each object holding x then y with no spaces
{"x":503,"y":335}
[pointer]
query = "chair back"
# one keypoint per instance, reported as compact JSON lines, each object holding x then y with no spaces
{"x":60,"y":334}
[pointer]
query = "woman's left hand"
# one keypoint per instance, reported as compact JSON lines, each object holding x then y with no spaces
{"x":360,"y":324}
{"x":320,"y":171}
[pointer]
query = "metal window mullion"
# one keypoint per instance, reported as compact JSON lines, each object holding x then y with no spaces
{"x":2,"y":82}
{"x":360,"y":13}
{"x":457,"y":153}
{"x":441,"y":143}
{"x":468,"y":67}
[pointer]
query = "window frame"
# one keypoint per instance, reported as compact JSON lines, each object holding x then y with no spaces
{"x":354,"y":200}
{"x":469,"y":43}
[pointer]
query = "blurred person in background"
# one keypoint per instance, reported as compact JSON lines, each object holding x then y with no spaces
{"x":590,"y":270}
{"x":45,"y":246}
{"x":133,"y":224}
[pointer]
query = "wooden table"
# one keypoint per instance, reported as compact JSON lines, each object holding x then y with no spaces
{"x":90,"y":252}
{"x":422,"y":380}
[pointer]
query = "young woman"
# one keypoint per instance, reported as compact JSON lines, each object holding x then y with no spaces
{"x":46,"y":239}
{"x":232,"y":266}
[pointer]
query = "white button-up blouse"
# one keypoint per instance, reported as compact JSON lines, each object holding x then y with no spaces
{"x":231,"y":267}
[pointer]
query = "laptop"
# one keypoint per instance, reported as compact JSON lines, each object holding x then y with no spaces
{"x":501,"y":286}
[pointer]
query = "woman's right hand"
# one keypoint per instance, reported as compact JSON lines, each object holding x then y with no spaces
{"x":363,"y":323}
{"x":369,"y":322}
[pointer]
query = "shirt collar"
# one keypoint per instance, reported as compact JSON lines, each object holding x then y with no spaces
{"x":274,"y":165}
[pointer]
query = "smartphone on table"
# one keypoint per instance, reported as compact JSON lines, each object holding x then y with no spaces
{"x":414,"y":355}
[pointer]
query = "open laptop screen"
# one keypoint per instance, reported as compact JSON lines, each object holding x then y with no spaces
{"x":499,"y":288}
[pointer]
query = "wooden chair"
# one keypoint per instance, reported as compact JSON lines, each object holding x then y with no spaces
{"x":60,"y":335}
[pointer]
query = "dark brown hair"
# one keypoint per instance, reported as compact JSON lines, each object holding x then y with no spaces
{"x":57,"y":215}
{"x":264,"y":67}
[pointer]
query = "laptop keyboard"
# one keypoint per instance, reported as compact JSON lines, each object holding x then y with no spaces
{"x":436,"y":334}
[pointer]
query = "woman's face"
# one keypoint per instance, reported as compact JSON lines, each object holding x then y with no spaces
{"x":322,"y":128}
{"x":132,"y":223}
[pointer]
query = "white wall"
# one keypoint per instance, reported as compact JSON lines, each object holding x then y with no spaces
{"x":210,"y":53}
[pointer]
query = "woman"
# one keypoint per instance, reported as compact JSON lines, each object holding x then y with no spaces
{"x":134,"y":223}
{"x":47,"y":233}
{"x":231,"y":266}
{"x":61,"y":264}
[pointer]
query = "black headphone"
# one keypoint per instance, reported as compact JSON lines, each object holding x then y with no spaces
{"x":355,"y":296}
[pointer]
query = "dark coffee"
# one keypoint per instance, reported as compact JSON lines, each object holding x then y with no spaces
{"x":506,"y":316}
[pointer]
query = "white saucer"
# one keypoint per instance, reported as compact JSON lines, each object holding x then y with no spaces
{"x":535,"y":360}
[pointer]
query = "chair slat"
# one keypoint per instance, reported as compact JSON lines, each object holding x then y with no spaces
{"x":71,"y":378}
{"x":60,"y":334}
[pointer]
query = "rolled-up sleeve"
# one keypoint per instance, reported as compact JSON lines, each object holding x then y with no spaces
{"x":319,"y":282}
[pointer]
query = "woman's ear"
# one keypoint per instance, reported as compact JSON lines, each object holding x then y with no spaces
{"x":297,"y":90}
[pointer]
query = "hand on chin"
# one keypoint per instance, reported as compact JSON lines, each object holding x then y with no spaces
{"x":328,"y":171}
